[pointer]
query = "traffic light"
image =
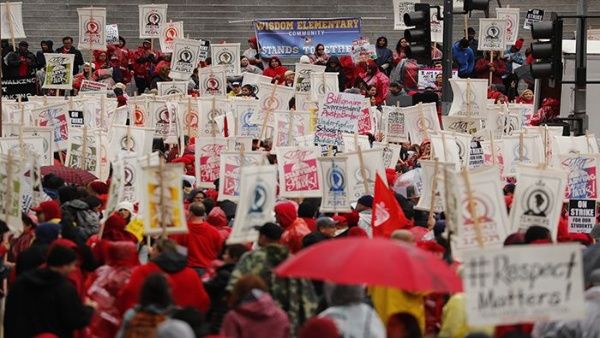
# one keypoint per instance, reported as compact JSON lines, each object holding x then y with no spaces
{"x":548,"y":54}
{"x":477,"y":5}
{"x":420,"y":36}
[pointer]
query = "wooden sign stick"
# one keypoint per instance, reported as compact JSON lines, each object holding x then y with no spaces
{"x":472,"y":208}
{"x":11,"y":28}
{"x":493,"y":148}
{"x":434,"y":187}
{"x":491,"y":73}
{"x":163,"y":214}
{"x":361,"y":161}
{"x":521,"y":147}
{"x":82,"y":159}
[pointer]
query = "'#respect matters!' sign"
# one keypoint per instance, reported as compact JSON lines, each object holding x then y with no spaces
{"x":523,"y":284}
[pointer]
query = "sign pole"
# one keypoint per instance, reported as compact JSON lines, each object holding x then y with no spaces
{"x":472,"y":207}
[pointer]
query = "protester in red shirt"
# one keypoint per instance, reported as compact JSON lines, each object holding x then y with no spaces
{"x":143,"y":62}
{"x":374,"y":77}
{"x":294,"y":228}
{"x":123,"y":54}
{"x":276,"y":71}
{"x":204,"y":240}
{"x":483,"y":67}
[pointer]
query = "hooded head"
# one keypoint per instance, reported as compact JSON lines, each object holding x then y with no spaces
{"x":337,"y":294}
{"x":319,"y":328}
{"x":285,"y":213}
{"x":122,"y":254}
{"x":46,"y":233}
{"x":304,"y":59}
{"x":217,"y":217}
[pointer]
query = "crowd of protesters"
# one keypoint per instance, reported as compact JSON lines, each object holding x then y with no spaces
{"x":72,"y":275}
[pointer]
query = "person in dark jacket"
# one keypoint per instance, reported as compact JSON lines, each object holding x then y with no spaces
{"x":464,"y":58}
{"x":21,"y":63}
{"x":47,"y":47}
{"x":67,"y":48}
{"x":216,"y":286}
{"x":36,"y":254}
{"x":333,"y":66}
{"x":44,"y":301}
{"x":384,"y":55}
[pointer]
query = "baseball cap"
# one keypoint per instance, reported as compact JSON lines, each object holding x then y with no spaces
{"x":366,"y":200}
{"x":325,"y":222}
{"x":50,"y":209}
{"x":271,"y":230}
{"x":233,"y":84}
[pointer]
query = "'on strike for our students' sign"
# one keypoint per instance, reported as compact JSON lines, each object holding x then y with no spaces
{"x":523,"y":284}
{"x":339,"y":114}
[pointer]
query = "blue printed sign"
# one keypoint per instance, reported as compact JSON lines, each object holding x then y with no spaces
{"x":297,"y":37}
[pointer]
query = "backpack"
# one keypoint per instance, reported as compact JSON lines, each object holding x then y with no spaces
{"x":143,"y":325}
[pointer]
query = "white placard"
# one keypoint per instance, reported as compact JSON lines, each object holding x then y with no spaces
{"x":92,"y":28}
{"x":227,"y":55}
{"x":334,"y":180}
{"x":299,"y":172}
{"x":511,"y":15}
{"x":185,"y":58}
{"x":14,"y":31}
{"x":402,"y":7}
{"x":151,"y":18}
{"x":168,"y":33}
{"x":492,"y":35}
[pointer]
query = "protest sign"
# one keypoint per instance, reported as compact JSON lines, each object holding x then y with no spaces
{"x":92,"y":86}
{"x":432,"y":176}
{"x":172,"y":88}
{"x":228,"y":56}
{"x":427,"y":76}
{"x":486,"y":224}
{"x":321,"y":83}
{"x":184,"y":59}
{"x":11,"y":22}
{"x":257,"y":200}
{"x":304,"y":103}
{"x":402,"y":7}
{"x":362,"y":167}
{"x":462,"y":124}
{"x":238,"y":143}
{"x":11,"y":175}
{"x":204,"y":50}
{"x":82,"y":151}
{"x":255,"y":80}
{"x":582,"y":216}
{"x":208,"y":159}
{"x":92,"y":28}
{"x":298,"y":172}
{"x":151,"y":18}
{"x":112,"y":34}
{"x":334,"y":183}
{"x":244,"y":110}
{"x":390,"y":153}
{"x":230,"y":168}
{"x":212,"y":80}
{"x":290,"y":37}
{"x":274,"y":97}
{"x":285,"y":132}
{"x":59,"y":71}
{"x":521,"y":149}
{"x":476,"y":154}
{"x":76,"y":119}
{"x":338,"y":114}
{"x":533,"y":15}
{"x":302,"y":75}
{"x":367,"y":122}
{"x":445,"y":148}
{"x":31,"y":145}
{"x":492,"y":35}
{"x":525,"y":111}
{"x":394,"y":124}
{"x":211,"y":109}
{"x":582,"y":179}
{"x":13,"y":89}
{"x":564,"y":145}
{"x":421,"y":120}
{"x":162,"y":199}
{"x":352,"y":141}
{"x":521,"y":284}
{"x":160,"y":118}
{"x":55,"y":117}
{"x":127,"y":140}
{"x":511,"y":15}
{"x":469,"y":97}
{"x":537,"y":199}
{"x":362,"y":50}
{"x":170,"y":31}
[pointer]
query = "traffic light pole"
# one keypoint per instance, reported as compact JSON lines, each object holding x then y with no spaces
{"x":579,"y":105}
{"x":447,"y":57}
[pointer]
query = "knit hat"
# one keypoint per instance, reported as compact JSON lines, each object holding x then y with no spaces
{"x":99,"y":187}
{"x":174,"y":328}
{"x":519,"y":43}
{"x":366,"y":200}
{"x":319,"y":328}
{"x":304,"y":59}
{"x":287,"y":73}
{"x":61,"y":255}
{"x":127,"y":206}
{"x":50,"y":209}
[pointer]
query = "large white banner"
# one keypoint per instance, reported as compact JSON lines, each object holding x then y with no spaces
{"x":520,"y":284}
{"x":511,"y":15}
{"x":230,"y":169}
{"x":184,"y":59}
{"x":257,"y":200}
{"x":298,"y":172}
{"x":38,"y":145}
{"x":492,"y":34}
{"x":227,"y":55}
{"x":334,"y":180}
{"x":338,"y":114}
{"x":92,"y":28}
{"x":168,"y":33}
{"x":11,"y":21}
{"x":538,"y":199}
{"x":152,"y":17}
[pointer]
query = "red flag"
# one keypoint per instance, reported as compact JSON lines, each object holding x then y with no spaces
{"x":387,"y":214}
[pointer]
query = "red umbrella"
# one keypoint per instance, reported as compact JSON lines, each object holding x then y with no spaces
{"x":70,"y":175}
{"x":377,"y":262}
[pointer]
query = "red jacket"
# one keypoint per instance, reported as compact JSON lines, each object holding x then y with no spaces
{"x":204,"y":244}
{"x":143,"y":63}
{"x":482,"y":70}
{"x":259,"y":317}
{"x":186,"y":286}
{"x":218,"y":219}
{"x":380,"y":81}
{"x":278,"y":71}
{"x":293,"y":235}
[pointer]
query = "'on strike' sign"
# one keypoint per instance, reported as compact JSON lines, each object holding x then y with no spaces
{"x":523,"y":284}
